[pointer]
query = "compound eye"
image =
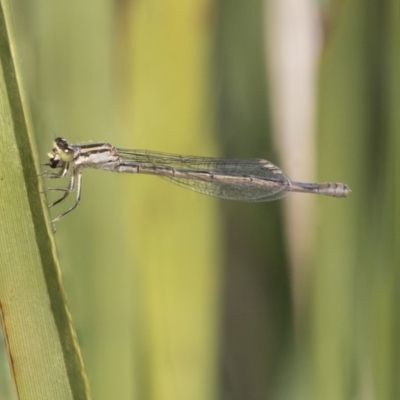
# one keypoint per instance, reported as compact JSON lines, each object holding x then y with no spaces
{"x":61,"y":143}
{"x":65,"y":152}
{"x":66,"y":155}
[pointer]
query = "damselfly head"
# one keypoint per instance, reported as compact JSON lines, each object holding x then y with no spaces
{"x":62,"y":152}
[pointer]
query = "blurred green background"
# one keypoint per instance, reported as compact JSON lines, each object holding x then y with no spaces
{"x":175,"y":295}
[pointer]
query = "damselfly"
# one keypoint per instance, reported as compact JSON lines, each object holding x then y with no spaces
{"x":249,"y":180}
